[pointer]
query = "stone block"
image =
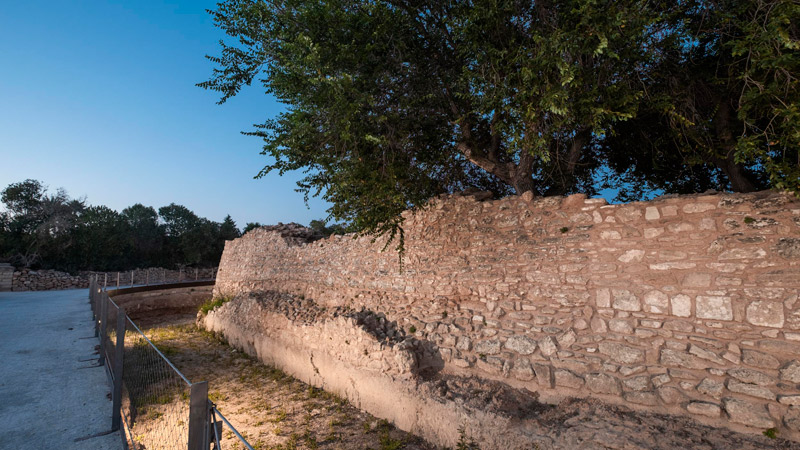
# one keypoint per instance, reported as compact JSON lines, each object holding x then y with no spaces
{"x":521,"y":344}
{"x":674,"y":358}
{"x":748,"y":413}
{"x":566,"y":378}
{"x":792,"y":418}
{"x":700,"y":352}
{"x":791,"y":372}
{"x":713,"y":307}
{"x":548,"y":345}
{"x":603,"y":298}
{"x":642,"y":398}
{"x":544,"y":375}
{"x":793,"y":400}
{"x":625,"y":300}
{"x":750,"y":389}
{"x":488,"y":347}
{"x":670,"y":395}
{"x":651,"y":213}
{"x":601,"y":383}
{"x":641,"y":383}
{"x":711,"y":387}
{"x":751,"y":376}
{"x":622,"y":353}
{"x":620,"y":326}
{"x":758,"y":359}
{"x":704,"y":409}
{"x":522,"y":370}
{"x":635,"y":255}
{"x":765,"y":314}
{"x":656,"y":302}
{"x":696,"y":280}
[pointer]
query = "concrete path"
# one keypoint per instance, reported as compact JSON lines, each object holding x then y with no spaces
{"x":50,"y":392}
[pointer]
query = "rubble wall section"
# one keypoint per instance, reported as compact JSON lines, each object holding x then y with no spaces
{"x":684,"y":305}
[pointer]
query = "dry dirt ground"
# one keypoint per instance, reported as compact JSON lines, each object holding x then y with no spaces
{"x":274,"y":411}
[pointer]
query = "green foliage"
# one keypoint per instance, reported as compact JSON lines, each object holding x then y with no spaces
{"x":748,"y":220}
{"x":214,"y":303}
{"x":722,"y":103}
{"x":771,"y":433}
{"x":390,"y":104}
{"x":51,"y":230}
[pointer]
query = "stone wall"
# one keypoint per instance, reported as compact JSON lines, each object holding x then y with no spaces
{"x":683,"y":305}
{"x":45,"y":280}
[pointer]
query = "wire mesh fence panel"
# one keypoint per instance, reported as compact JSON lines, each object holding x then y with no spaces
{"x":110,"y":338}
{"x":155,"y":398}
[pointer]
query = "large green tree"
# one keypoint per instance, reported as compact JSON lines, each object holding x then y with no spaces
{"x":722,"y":108}
{"x":392,"y":102}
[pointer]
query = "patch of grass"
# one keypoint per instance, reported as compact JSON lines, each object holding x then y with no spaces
{"x":563,"y":229}
{"x":280,"y":416}
{"x":771,"y":433}
{"x":412,"y":330}
{"x":214,"y":303}
{"x":749,"y":220}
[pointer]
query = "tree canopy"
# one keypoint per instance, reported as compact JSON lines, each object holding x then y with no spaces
{"x":391,"y":102}
{"x":53,"y":231}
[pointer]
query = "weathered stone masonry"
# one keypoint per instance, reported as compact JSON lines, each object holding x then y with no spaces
{"x":686,"y":305}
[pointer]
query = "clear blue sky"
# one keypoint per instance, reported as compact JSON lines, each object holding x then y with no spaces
{"x":99,"y":97}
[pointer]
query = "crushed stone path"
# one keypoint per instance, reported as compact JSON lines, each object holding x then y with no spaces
{"x":53,"y":395}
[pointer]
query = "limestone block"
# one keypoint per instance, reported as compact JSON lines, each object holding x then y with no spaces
{"x":566,"y":378}
{"x":765,"y":314}
{"x":792,"y":418}
{"x":791,"y":372}
{"x":751,"y":376}
{"x":641,"y":397}
{"x":711,"y":387}
{"x":620,"y":326}
{"x":696,"y":280}
{"x":641,"y":383}
{"x":548,"y":345}
{"x":622,"y":353}
{"x":793,"y":400}
{"x":674,"y":358}
{"x":750,"y":389}
{"x":635,"y":255}
{"x":521,"y":344}
{"x":488,"y":347}
{"x":748,"y":413}
{"x":624,"y":300}
{"x":651,"y":213}
{"x":544,"y":375}
{"x":691,"y":208}
{"x":681,"y":305}
{"x":670,"y":395}
{"x":603,"y":298}
{"x":656,"y":302}
{"x":704,"y":409}
{"x":601,"y":383}
{"x":714,"y":307}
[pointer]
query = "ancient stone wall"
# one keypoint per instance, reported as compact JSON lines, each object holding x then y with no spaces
{"x":45,"y":280}
{"x":684,"y":305}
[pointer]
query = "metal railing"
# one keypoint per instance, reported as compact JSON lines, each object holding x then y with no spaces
{"x":148,"y":390}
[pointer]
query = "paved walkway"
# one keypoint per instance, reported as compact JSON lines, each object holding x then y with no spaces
{"x":50,"y":392}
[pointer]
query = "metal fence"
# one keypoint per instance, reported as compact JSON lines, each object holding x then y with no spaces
{"x":154,"y":405}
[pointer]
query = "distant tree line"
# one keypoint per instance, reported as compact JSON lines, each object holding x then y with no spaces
{"x":40,"y":229}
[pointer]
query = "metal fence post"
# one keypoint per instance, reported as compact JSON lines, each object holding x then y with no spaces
{"x":105,"y":280}
{"x":147,"y":278}
{"x":103,"y":325}
{"x":198,"y":417}
{"x":117,"y":280}
{"x":131,"y":278}
{"x":116,"y":396}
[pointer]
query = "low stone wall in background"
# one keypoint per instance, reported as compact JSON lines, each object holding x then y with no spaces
{"x":45,"y":280}
{"x":683,"y":305}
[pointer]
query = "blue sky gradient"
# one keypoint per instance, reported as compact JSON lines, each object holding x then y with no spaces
{"x":99,"y":98}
